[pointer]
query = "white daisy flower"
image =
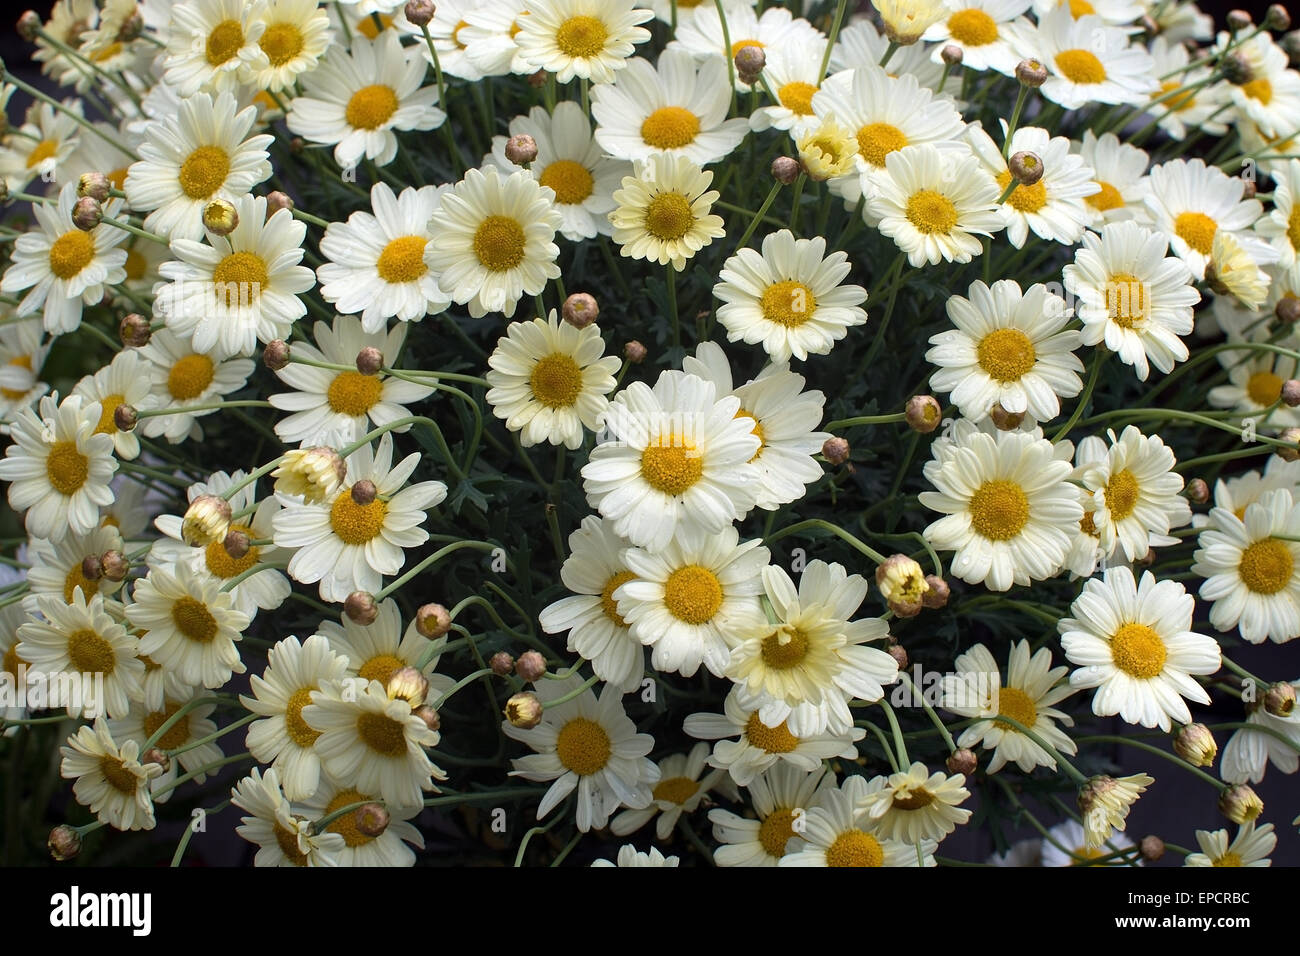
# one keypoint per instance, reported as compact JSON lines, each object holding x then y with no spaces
{"x":124,"y":381}
{"x":193,"y":726}
{"x":348,"y":546}
{"x":591,"y":39}
{"x":1132,"y":297}
{"x":589,"y":745}
{"x":915,"y":805}
{"x":359,"y":849}
{"x":1266,"y":739}
{"x":1254,"y":384}
{"x":1250,"y":568}
{"x":1105,"y":803}
{"x":1119,"y":170}
{"x":1008,"y":348}
{"x":1181,"y":113}
{"x":862,"y":44}
{"x":780,"y":797}
{"x":296,"y":35}
{"x":835,"y":833}
{"x":56,"y":567}
{"x":776,"y":28}
{"x":1119,"y":13}
{"x":663,"y":211}
{"x":334,"y":408}
{"x":282,"y":837}
{"x":44,"y":143}
{"x":1090,"y":62}
{"x":789,"y":297}
{"x":22,"y":356}
{"x":1066,"y":845}
{"x":549,"y":381}
{"x":378,"y":650}
{"x":489,"y":38}
{"x":495,"y":240}
{"x":1183,"y":21}
{"x":180,"y":375}
{"x":793,"y":72}
{"x":1250,"y":847}
{"x":990,"y":33}
{"x":685,"y":9}
{"x":189,"y":625}
{"x":1234,"y":271}
{"x":111,"y":781}
{"x":59,"y":468}
{"x":447,"y":29}
{"x":680,"y":790}
{"x":1271,"y":97}
{"x":1029,"y":695}
{"x":628,"y":855}
{"x":1133,"y":642}
{"x":212,"y":45}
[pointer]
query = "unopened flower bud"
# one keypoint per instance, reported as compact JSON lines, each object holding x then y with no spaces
{"x":131,"y":28}
{"x":432,"y":620}
{"x":134,"y":330}
{"x":750,"y":62}
{"x":1152,"y":848}
{"x":1238,"y":20}
{"x":580,"y":310}
{"x":28,"y":24}
{"x":898,"y":654}
{"x":836,"y":450}
{"x":634,"y":352}
{"x":235,"y":544}
{"x":220,"y":217}
{"x":275,"y":201}
{"x":371,"y":819}
{"x":1031,"y":73}
{"x":360,"y":608}
{"x":1004,"y":420}
{"x":276,"y":354}
{"x":94,"y":186}
{"x":1198,"y":492}
{"x":113,"y":565}
{"x":409,"y":685}
{"x":419,"y":12}
{"x":1248,"y":189}
{"x":952,"y":54}
{"x":521,"y":149}
{"x":297,"y":146}
{"x":1279,"y":700}
{"x":1195,"y":744}
{"x":313,"y":474}
{"x":86,"y":214}
{"x":1290,"y":44}
{"x":501,"y":663}
{"x":1026,"y":167}
{"x":125,"y":418}
{"x":905,"y":609}
{"x":92,"y":568}
{"x":364,"y":492}
{"x":923,"y":413}
{"x":537,"y":80}
{"x":206,"y":520}
{"x":1149,"y":25}
{"x":1288,"y":309}
{"x":901,"y":581}
{"x":1291,"y":392}
{"x":938,"y":594}
{"x":157,"y":755}
{"x":530,"y":666}
{"x":1239,"y":803}
{"x":963,"y":761}
{"x":370,"y":360}
{"x":1290,"y":451}
{"x":64,"y":842}
{"x":429,"y":716}
{"x":524,"y":710}
{"x":785,"y":170}
{"x":1236,"y":69}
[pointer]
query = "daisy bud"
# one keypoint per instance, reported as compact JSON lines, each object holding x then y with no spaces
{"x":963,"y":761}
{"x":1238,"y":20}
{"x":1152,"y":847}
{"x":113,"y":565}
{"x":64,"y":842}
{"x":938,"y":594}
{"x":28,"y":24}
{"x":420,"y":12}
{"x":94,"y":186}
{"x":360,"y":608}
{"x":410,"y":685}
{"x":370,"y":360}
{"x":923,"y":413}
{"x":524,"y":710}
{"x":1198,"y":492}
{"x":1026,"y":167}
{"x":235,"y":544}
{"x":91,"y":568}
{"x":1280,"y":699}
{"x":898,"y":654}
{"x":364,"y":492}
{"x":952,"y":55}
{"x":1248,"y":189}
{"x":580,"y":310}
{"x":1291,"y":392}
{"x":429,"y":716}
{"x":220,"y":217}
{"x":634,"y":352}
{"x":1149,"y":25}
{"x":372,"y":819}
{"x":131,"y":28}
{"x":134,"y":330}
{"x":1004,"y":420}
{"x":1195,"y":744}
{"x":1290,"y":44}
{"x":530,"y":666}
{"x":750,"y":62}
{"x":125,"y":418}
{"x":501,"y":663}
{"x":537,"y":80}
{"x":158,"y":756}
{"x":1236,"y":69}
{"x":836,"y":450}
{"x":1288,"y":309}
{"x":1239,"y":803}
{"x":297,"y":145}
{"x":206,"y":520}
{"x":312,"y":474}
{"x":1289,"y":452}
{"x":901,"y":581}
{"x":276,"y":354}
{"x":86,"y":214}
{"x":521,"y":149}
{"x":275,"y":201}
{"x":1031,"y":73}
{"x":785,"y":170}
{"x":1105,"y":802}
{"x":432,"y":620}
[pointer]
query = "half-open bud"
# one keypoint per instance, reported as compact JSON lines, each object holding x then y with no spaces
{"x":432,"y":620}
{"x":206,"y":520}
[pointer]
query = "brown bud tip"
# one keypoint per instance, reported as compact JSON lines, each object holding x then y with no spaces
{"x":1236,"y":69}
{"x":521,"y":149}
{"x":360,"y":608}
{"x":131,"y":28}
{"x":1290,"y":45}
{"x":372,"y":819}
{"x":409,"y":685}
{"x":1147,"y":559}
{"x":1152,"y":847}
{"x":1248,"y":189}
{"x":113,"y":565}
{"x":429,"y":716}
{"x":923,"y":413}
{"x":963,"y":761}
{"x":275,"y":201}
{"x":370,"y":360}
{"x":899,"y":655}
{"x":501,"y":663}
{"x":276,"y":354}
{"x":158,"y":756}
{"x":91,"y":569}
{"x":1198,"y":492}
{"x":64,"y":842}
{"x":530,"y":666}
{"x":1291,"y":451}
{"x":220,"y":217}
{"x":86,"y":214}
{"x":524,"y":710}
{"x":364,"y":492}
{"x":93,"y":186}
{"x":1238,"y":20}
{"x":750,"y":62}
{"x":1288,"y":309}
{"x":903,"y":608}
{"x":580,"y":310}
{"x":125,"y":418}
{"x":1291,"y":392}
{"x":1279,"y":700}
{"x":432,"y":620}
{"x":1031,"y":73}
{"x":419,"y":12}
{"x":134,"y":330}
{"x":634,"y":352}
{"x":952,"y":55}
{"x":836,"y":450}
{"x":785,"y":170}
{"x":1239,"y":803}
{"x":537,"y":80}
{"x":236,"y":544}
{"x":28,"y":24}
{"x":297,"y":145}
{"x":1004,"y":420}
{"x":1026,"y":167}
{"x":1149,"y":25}
{"x":938,"y":594}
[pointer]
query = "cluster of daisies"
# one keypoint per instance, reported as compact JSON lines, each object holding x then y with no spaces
{"x":362,"y":252}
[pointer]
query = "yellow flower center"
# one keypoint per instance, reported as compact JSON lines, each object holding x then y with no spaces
{"x":855,"y":848}
{"x":693,"y":594}
{"x":1006,"y":354}
{"x":368,"y":29}
{"x":382,"y":734}
{"x":1197,"y":230}
{"x":741,"y":44}
{"x":190,"y":376}
{"x":796,"y":96}
{"x":499,"y":243}
{"x":878,"y":140}
{"x":1138,"y":650}
{"x":931,"y":212}
{"x":220,"y":562}
{"x":118,"y":777}
{"x":583,"y":746}
{"x":773,"y":740}
{"x":782,"y":657}
{"x":1177,"y":103}
{"x":45,"y":149}
{"x":1080,"y":66}
{"x":1293,"y":227}
{"x":136,"y":264}
{"x":999,"y":510}
{"x":607,"y":603}
{"x":352,"y":393}
{"x":581,"y":36}
{"x":1019,"y":706}
{"x":12,"y":661}
{"x":789,"y":303}
{"x":287,"y":841}
{"x":1080,"y":8}
{"x":670,"y":127}
{"x":571,"y":181}
{"x":381,"y":667}
{"x":299,"y":731}
{"x":281,"y":42}
{"x":1259,"y":89}
{"x":1122,"y":494}
{"x":1024,"y":198}
{"x":776,"y":830}
{"x":107,"y":406}
{"x":70,"y":253}
{"x":455,"y":34}
{"x":669,"y":217}
{"x":1264,"y":388}
{"x":675,"y":790}
{"x":1107,"y":199}
{"x":917,"y":799}
{"x":204,"y":172}
{"x":402,"y":260}
{"x":193,"y":619}
{"x":346,"y":825}
{"x":66,"y":468}
{"x":1266,"y":566}
{"x":1126,"y":302}
{"x":239,"y":278}
{"x":556,"y":381}
{"x":756,"y":431}
{"x":354,"y":523}
{"x":224,"y":42}
{"x":88,"y":653}
{"x":177,"y":734}
{"x":76,"y":579}
{"x":21,"y":361}
{"x":671,"y":468}
{"x":1229,"y":859}
{"x":973,"y":27}
{"x":371,"y":106}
